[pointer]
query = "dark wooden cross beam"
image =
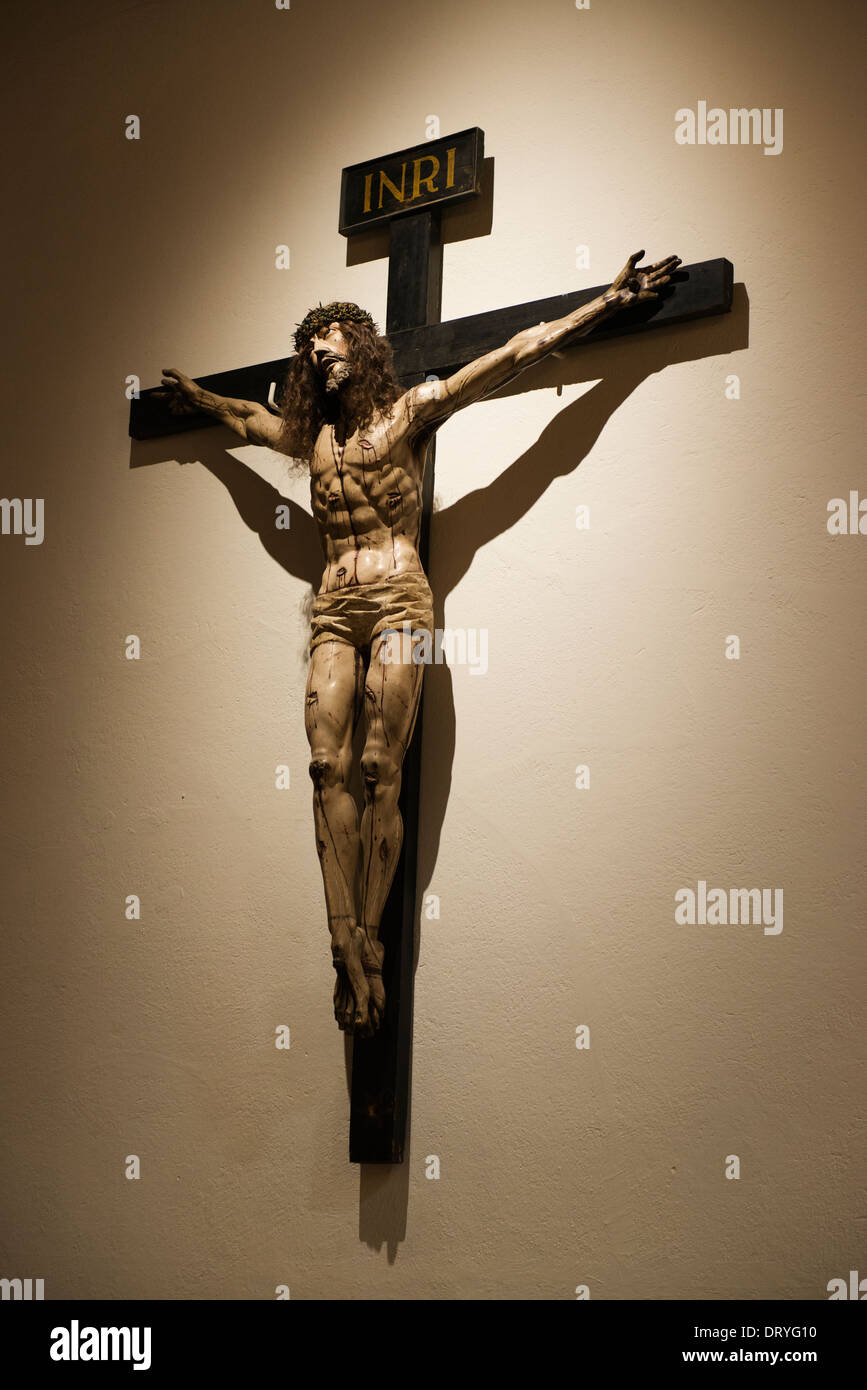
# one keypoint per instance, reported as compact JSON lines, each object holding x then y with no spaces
{"x":440,"y":348}
{"x":407,"y":190}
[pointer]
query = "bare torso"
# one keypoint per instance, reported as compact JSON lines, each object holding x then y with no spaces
{"x":366,"y":498}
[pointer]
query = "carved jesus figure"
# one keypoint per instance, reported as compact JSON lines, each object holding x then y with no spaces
{"x":365,"y":441}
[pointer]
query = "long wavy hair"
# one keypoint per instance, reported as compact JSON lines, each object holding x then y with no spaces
{"x":306,"y":406}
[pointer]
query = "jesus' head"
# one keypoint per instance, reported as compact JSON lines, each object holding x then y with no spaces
{"x":342,"y":375}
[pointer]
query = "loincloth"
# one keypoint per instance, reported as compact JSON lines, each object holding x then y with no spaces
{"x":358,"y":614}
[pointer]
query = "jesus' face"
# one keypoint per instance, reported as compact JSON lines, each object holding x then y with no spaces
{"x":329,"y":353}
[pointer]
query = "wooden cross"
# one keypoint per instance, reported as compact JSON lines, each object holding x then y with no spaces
{"x":407,"y":190}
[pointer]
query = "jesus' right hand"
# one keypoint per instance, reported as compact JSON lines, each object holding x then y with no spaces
{"x":179,"y":392}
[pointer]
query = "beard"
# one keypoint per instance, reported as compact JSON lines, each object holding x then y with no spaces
{"x":338,"y":375}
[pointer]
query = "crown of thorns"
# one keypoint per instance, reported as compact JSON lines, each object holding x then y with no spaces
{"x":338,"y":312}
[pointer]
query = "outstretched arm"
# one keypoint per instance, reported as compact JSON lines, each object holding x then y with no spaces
{"x":434,"y":401}
{"x":249,"y":419}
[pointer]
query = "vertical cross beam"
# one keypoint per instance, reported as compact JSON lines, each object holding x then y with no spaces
{"x":381,"y":1064}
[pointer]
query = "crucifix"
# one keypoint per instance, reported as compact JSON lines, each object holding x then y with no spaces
{"x":362,"y":410}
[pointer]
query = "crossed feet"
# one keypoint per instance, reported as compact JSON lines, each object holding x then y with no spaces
{"x":359,"y":997}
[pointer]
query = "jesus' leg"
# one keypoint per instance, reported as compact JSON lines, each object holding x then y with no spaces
{"x":333,"y":690}
{"x":391,"y":696}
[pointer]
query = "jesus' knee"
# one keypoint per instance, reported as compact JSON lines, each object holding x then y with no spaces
{"x":380,"y":773}
{"x":328,"y":771}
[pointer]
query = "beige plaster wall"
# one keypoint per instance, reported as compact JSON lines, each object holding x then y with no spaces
{"x":560,"y":1167}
